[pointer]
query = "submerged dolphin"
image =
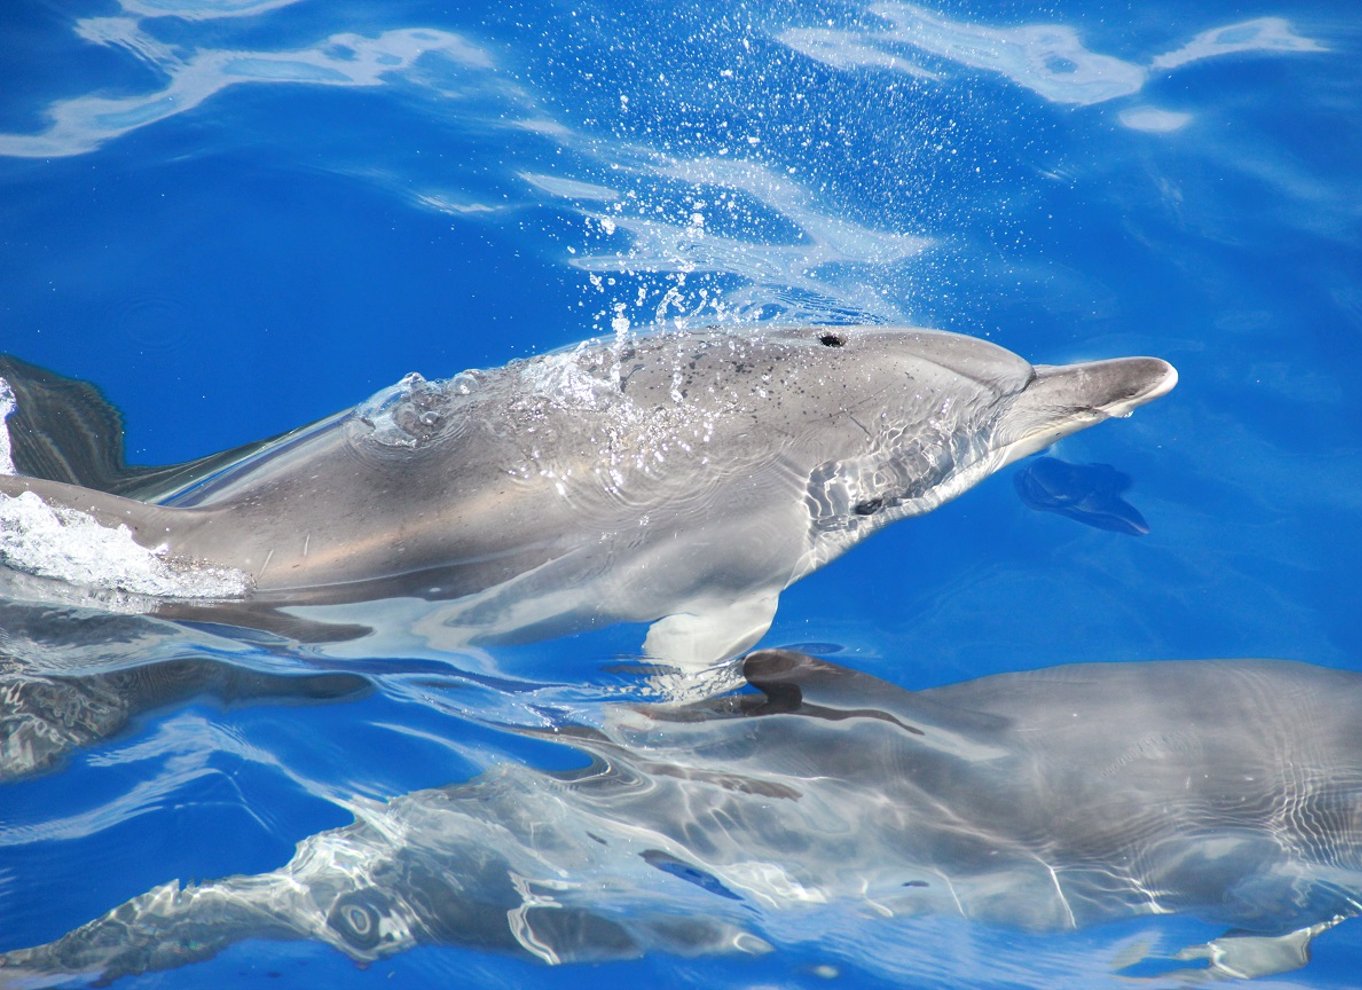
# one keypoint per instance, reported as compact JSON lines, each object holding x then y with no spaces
{"x":1046,"y":800}
{"x":683,"y":478}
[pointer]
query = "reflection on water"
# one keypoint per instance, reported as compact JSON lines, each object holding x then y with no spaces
{"x":1045,"y":801}
{"x":1048,"y":59}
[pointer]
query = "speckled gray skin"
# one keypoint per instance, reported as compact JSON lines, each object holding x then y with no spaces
{"x":683,"y":478}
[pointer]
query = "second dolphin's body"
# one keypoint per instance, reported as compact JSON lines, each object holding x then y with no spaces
{"x":683,"y":479}
{"x":1229,"y":791}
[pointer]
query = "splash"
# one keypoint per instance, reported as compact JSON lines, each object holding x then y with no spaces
{"x":730,"y":234}
{"x":61,"y":543}
{"x":716,"y":240}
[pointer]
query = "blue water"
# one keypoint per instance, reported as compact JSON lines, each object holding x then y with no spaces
{"x":238,"y":216}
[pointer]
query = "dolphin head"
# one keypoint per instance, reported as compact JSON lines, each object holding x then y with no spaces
{"x":897,"y":421}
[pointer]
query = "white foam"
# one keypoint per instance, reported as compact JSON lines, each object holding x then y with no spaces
{"x":71,"y":546}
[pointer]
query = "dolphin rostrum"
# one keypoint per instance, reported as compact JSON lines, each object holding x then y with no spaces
{"x":1228,"y":791}
{"x":682,"y":478}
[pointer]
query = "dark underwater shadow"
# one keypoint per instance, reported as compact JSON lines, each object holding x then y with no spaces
{"x":1086,"y":493}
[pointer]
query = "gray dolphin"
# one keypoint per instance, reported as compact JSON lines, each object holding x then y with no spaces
{"x":1046,"y":801}
{"x":682,"y":478}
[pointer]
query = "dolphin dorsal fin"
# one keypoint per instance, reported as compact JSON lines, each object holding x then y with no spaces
{"x":64,"y":429}
{"x":797,"y":683}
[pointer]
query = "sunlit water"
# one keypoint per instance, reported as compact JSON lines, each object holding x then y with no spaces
{"x":239,"y":216}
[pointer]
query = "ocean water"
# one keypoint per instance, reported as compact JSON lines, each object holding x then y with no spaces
{"x":239,"y":216}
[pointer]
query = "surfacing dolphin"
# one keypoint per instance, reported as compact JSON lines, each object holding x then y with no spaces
{"x":1046,"y":801}
{"x":682,"y":478}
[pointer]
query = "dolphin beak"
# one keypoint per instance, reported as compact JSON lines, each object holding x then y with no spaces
{"x":1063,"y":399}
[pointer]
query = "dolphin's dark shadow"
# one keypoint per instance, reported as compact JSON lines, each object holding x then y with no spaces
{"x":72,"y":675}
{"x":1229,"y":791}
{"x":1087,"y":493}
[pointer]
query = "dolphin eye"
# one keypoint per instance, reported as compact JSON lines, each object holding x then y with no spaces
{"x":831,"y":339}
{"x":869,"y":507}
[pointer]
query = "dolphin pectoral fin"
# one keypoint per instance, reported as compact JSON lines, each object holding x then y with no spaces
{"x":695,"y":640}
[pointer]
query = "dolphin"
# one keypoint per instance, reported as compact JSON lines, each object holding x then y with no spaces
{"x":1046,"y":801}
{"x":682,"y":478}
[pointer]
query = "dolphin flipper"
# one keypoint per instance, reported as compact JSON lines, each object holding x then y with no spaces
{"x":695,"y":640}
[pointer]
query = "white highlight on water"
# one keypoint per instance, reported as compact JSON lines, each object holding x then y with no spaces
{"x":1153,"y":120}
{"x":83,"y":123}
{"x":1048,"y":59}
